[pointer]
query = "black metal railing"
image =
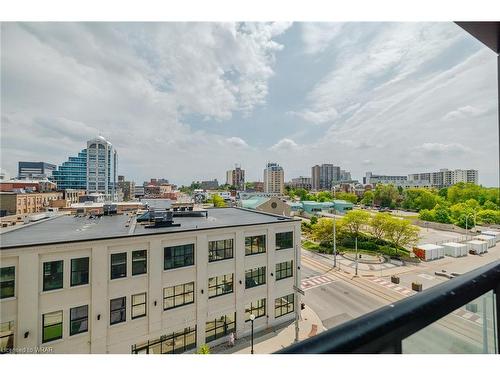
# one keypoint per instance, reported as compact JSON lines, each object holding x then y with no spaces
{"x":383,"y":330}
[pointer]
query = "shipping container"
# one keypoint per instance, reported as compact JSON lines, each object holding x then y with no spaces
{"x":490,"y":239}
{"x":478,"y":246}
{"x":454,"y":249}
{"x":428,"y":251}
{"x":492,"y":233}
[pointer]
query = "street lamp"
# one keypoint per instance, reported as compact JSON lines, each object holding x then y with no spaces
{"x":252,"y":318}
{"x":356,"y":246}
{"x":334,"y":232}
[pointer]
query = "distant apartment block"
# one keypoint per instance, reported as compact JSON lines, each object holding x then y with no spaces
{"x":301,"y":183}
{"x":127,"y":188}
{"x":210,"y":184}
{"x":445,"y":177}
{"x":236,"y":177}
{"x":35,"y":170}
{"x":274,"y":178}
{"x":82,"y":285}
{"x":371,"y":178}
{"x":323,"y":176}
{"x":12,"y":203}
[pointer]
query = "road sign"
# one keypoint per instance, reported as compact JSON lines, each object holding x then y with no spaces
{"x":299,"y":290}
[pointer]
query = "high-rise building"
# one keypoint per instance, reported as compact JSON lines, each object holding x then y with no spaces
{"x":102,"y":165}
{"x":274,"y":178}
{"x":322,"y":176}
{"x":35,"y":170}
{"x":127,"y":188}
{"x":446,"y":177}
{"x":345,"y":175}
{"x":94,"y":169}
{"x":72,"y":174}
{"x":236,"y":178}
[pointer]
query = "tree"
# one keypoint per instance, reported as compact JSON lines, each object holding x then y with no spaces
{"x":349,"y":197}
{"x":218,"y":201}
{"x":401,"y":232}
{"x":489,"y":205}
{"x":354,"y":220}
{"x":426,"y":215}
{"x":441,"y":214}
{"x":324,"y":196}
{"x":378,"y":225}
{"x":488,"y":217}
{"x":385,"y":195}
{"x":419,"y":199}
{"x":314,"y":220}
{"x":367,"y":198}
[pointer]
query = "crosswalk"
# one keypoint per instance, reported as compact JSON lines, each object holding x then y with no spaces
{"x":315,"y":281}
{"x":398,"y":288}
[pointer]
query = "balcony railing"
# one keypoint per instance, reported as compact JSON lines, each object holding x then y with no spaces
{"x":433,"y":321}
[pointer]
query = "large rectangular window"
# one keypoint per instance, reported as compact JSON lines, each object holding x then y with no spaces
{"x":79,"y":320}
{"x":79,"y":271}
{"x":52,"y":326}
{"x":283,"y":305}
{"x":52,"y":275}
{"x":118,"y":310}
{"x":220,"y":285}
{"x":118,"y":265}
{"x":7,"y":282}
{"x":220,"y":327}
{"x":258,"y":308}
{"x":178,"y":295}
{"x":219,"y":250}
{"x":255,"y":277}
{"x":255,"y":245}
{"x":139,"y":262}
{"x":178,"y":256}
{"x":138,"y":305}
{"x":177,"y":342}
{"x":284,"y":240}
{"x":284,"y":270}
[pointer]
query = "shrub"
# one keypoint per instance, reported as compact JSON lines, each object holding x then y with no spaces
{"x":204,"y":349}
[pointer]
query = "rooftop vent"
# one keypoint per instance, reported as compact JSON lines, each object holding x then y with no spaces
{"x":109,"y":209}
{"x":160,"y":219}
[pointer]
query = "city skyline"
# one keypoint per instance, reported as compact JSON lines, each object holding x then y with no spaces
{"x":423,"y":100}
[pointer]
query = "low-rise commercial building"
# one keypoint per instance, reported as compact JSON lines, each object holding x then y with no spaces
{"x":12,"y":203}
{"x":112,"y":285}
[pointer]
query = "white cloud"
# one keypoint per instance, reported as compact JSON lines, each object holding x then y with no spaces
{"x":463,"y":112}
{"x":442,"y":148}
{"x":318,"y":36}
{"x":235,"y":141}
{"x":285,"y":144}
{"x":317,"y":117}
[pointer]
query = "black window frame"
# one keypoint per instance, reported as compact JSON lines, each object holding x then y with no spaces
{"x":185,"y":293}
{"x":79,"y":319}
{"x":122,"y":309}
{"x":172,"y":339}
{"x":53,"y":276}
{"x":143,"y":261}
{"x":281,"y":237}
{"x":250,"y":245}
{"x":284,"y":307}
{"x":255,"y":277}
{"x":188,"y":254}
{"x":9,"y":283}
{"x":44,"y":340}
{"x":132,"y":305}
{"x":284,"y":270}
{"x":221,"y":283}
{"x":79,"y":272}
{"x":258,"y":308}
{"x":122,"y":267}
{"x":226,"y":327}
{"x":214,"y":251}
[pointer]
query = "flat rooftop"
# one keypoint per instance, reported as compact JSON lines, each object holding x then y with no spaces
{"x":67,"y":228}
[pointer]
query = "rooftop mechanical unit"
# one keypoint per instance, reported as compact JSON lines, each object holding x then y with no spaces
{"x":160,"y":219}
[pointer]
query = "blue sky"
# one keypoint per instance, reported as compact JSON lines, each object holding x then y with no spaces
{"x":186,"y":101}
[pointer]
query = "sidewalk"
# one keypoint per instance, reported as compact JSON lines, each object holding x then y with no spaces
{"x":270,"y":340}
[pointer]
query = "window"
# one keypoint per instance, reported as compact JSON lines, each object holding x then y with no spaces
{"x":118,"y":310}
{"x":6,"y":337}
{"x":7,"y":282}
{"x":178,"y":295}
{"x":139,"y":262}
{"x":255,"y":245}
{"x":284,"y":240}
{"x":255,"y":277}
{"x":220,"y":285}
{"x":79,"y":320}
{"x":283,"y":305}
{"x":219,"y":250}
{"x":258,"y":308}
{"x":178,"y":256}
{"x":79,"y":271}
{"x":284,"y":270}
{"x":52,"y":275}
{"x":52,"y":326}
{"x":118,"y":265}
{"x":138,"y":305}
{"x":220,"y":327}
{"x":177,"y":342}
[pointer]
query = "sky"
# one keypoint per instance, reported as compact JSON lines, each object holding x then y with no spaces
{"x":186,"y":101}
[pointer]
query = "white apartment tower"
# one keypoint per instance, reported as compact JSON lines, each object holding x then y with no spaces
{"x":102,"y":163}
{"x":274,"y":178}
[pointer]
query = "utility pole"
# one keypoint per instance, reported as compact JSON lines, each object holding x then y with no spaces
{"x":356,"y":246}
{"x":334,"y":232}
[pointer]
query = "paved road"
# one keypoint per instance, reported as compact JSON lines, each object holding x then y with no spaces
{"x":343,"y":299}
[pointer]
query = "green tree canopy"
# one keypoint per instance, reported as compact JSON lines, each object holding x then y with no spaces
{"x":354,"y":220}
{"x":385,"y":195}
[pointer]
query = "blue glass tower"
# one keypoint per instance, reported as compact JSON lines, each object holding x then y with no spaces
{"x":72,"y":174}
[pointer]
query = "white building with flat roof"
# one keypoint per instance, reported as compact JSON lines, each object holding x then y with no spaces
{"x":111,"y":284}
